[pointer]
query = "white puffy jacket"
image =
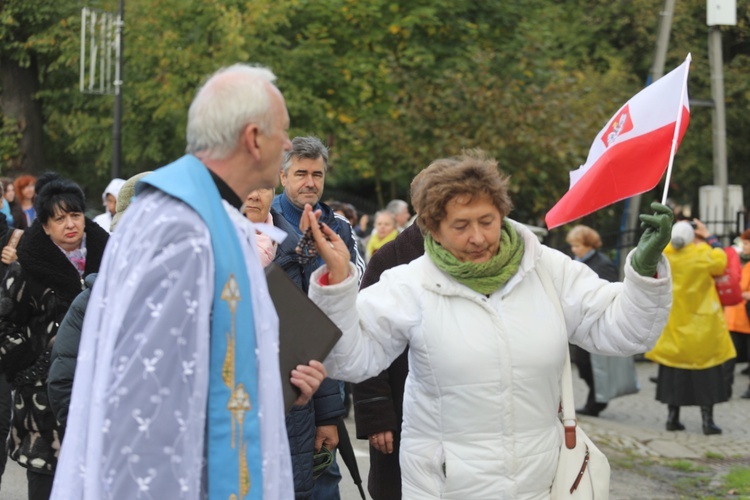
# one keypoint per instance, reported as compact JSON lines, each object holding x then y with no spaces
{"x":482,"y":395}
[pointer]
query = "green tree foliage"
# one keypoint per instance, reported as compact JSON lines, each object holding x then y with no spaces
{"x":389,"y":84}
{"x":27,"y":47}
{"x":24,"y":28}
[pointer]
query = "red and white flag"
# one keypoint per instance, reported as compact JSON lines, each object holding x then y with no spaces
{"x":629,"y":155}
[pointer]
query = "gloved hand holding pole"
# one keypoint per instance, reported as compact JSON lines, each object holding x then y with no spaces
{"x":654,"y":239}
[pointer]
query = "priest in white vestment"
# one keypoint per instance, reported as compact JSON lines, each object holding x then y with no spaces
{"x":144,"y":395}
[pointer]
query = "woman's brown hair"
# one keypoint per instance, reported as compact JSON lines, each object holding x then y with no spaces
{"x":586,"y":236}
{"x":472,"y":173}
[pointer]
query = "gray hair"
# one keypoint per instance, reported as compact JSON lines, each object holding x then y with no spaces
{"x":396,"y":206}
{"x":227,"y":102}
{"x":387,"y":212}
{"x":306,"y":148}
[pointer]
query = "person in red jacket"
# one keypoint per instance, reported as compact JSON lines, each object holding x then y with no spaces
{"x":736,"y":316}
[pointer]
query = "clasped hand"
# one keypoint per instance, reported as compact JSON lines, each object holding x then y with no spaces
{"x":307,"y":378}
{"x":8,"y":255}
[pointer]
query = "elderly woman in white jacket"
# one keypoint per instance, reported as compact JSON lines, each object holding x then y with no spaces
{"x":486,"y":341}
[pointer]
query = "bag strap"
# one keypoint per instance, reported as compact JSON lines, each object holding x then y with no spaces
{"x":15,"y":238}
{"x":566,"y":381}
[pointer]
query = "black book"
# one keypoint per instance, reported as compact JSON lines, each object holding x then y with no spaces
{"x":305,"y":332}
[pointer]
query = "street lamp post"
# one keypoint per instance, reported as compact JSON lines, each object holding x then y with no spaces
{"x":719,"y":12}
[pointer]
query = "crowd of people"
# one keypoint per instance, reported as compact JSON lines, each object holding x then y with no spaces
{"x":142,"y":346}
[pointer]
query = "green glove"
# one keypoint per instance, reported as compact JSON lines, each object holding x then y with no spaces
{"x":654,"y":239}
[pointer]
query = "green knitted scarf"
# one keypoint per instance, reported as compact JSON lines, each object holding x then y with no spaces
{"x":484,"y":277}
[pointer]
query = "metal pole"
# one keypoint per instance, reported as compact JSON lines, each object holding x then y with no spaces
{"x":92,"y":64}
{"x":716,"y":61}
{"x":117,"y":126}
{"x":103,"y":35}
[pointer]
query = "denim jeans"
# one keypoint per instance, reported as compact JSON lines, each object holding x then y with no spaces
{"x":326,"y":487}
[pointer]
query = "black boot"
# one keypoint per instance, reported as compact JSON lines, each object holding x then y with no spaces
{"x":709,"y":427}
{"x":591,"y":408}
{"x":673,"y":419}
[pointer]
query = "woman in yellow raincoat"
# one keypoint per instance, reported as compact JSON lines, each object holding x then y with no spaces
{"x":696,"y":342}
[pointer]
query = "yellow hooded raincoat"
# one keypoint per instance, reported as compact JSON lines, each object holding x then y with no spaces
{"x":696,"y":336}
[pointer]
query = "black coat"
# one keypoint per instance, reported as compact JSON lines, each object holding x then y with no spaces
{"x":300,"y":430}
{"x":606,"y":270}
{"x":64,"y":355}
{"x":602,"y":266}
{"x":34,"y":298}
{"x":4,"y":229}
{"x":5,"y":233}
{"x":325,"y":407}
{"x":378,"y":402}
{"x":19,"y":217}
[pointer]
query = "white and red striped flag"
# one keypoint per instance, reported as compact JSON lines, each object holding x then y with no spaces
{"x":629,"y":155}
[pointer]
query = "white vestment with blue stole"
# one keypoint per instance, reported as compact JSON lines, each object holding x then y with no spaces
{"x":137,"y":425}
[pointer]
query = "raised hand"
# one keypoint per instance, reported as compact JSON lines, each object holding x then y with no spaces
{"x":654,"y":239}
{"x":329,"y":246}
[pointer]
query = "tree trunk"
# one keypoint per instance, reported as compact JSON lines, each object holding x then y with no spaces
{"x":17,"y":100}
{"x":378,"y":185}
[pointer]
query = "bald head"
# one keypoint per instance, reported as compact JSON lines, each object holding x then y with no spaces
{"x":231,"y":98}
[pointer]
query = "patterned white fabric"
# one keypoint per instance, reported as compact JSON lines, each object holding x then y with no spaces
{"x":136,"y":424}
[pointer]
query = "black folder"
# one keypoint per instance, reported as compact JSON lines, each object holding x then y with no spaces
{"x":305,"y":332}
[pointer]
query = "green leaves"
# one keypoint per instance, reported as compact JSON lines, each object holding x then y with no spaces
{"x":391,"y":84}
